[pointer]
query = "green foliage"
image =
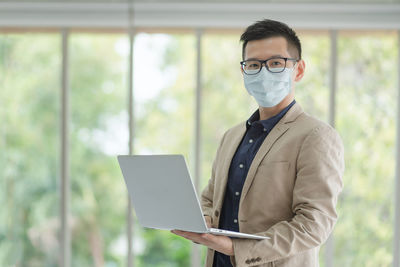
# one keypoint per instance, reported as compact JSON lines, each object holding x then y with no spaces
{"x":163,"y":249}
{"x":312,"y":92}
{"x":98,"y":102}
{"x":366,"y":120}
{"x":29,"y":78}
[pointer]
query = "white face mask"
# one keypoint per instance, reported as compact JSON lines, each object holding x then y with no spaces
{"x":269,"y":89}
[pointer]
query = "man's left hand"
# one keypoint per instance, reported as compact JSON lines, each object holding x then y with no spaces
{"x":222,"y":244}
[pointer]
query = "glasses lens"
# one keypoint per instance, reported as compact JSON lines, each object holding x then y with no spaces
{"x":276,"y":64}
{"x":251,"y":67}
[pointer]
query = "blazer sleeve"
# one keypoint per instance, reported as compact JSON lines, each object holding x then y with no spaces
{"x":208,"y":192}
{"x":319,"y":167}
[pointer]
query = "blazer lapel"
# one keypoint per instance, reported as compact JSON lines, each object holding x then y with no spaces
{"x":279,"y":130}
{"x":230,"y":152}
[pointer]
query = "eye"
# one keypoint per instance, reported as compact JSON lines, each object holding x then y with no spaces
{"x":252,"y":65}
{"x":276,"y":63}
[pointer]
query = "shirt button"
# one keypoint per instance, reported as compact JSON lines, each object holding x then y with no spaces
{"x":251,"y":141}
{"x":235,"y":220}
{"x":241,"y":166}
{"x":237,"y":193}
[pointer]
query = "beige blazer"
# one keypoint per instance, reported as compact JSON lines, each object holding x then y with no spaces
{"x":289,"y":195}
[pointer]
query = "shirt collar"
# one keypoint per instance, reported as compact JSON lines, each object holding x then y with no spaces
{"x":270,"y":122}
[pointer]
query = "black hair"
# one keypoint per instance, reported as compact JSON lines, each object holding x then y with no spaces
{"x":271,"y":28}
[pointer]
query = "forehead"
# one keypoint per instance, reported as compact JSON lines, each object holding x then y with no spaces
{"x":266,"y":48}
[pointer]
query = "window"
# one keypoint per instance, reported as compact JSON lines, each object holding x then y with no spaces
{"x":164,"y":112}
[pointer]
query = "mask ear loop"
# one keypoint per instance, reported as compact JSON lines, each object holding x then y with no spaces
{"x":294,"y":66}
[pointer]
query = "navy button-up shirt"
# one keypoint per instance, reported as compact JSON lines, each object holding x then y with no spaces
{"x":256,"y":132}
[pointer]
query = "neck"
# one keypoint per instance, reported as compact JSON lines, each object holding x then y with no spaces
{"x":266,"y":113}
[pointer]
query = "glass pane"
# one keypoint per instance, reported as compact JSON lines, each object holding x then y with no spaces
{"x":366,"y":110}
{"x":164,"y":78}
{"x":29,"y":145}
{"x":99,"y":132}
{"x":312,"y":92}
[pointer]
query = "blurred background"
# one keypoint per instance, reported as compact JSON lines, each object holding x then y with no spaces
{"x":84,"y":81}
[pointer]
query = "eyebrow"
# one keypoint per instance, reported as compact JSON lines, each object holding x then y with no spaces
{"x":274,"y":56}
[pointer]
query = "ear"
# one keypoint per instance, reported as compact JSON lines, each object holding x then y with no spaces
{"x":301,"y":67}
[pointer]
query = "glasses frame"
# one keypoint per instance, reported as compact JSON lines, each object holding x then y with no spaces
{"x":264,"y":62}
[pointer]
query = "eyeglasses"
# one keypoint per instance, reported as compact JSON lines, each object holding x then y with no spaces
{"x":274,"y":65}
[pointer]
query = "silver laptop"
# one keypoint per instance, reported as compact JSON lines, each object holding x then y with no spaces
{"x":163,"y":194}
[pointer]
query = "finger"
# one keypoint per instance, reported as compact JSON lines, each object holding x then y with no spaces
{"x":209,"y":237}
{"x":180,"y":232}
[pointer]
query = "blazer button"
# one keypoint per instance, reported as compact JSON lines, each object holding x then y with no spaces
{"x":216,"y":213}
{"x":248,"y":261}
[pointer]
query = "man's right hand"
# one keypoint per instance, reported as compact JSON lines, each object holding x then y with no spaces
{"x":208,"y":221}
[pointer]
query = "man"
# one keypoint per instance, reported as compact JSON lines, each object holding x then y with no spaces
{"x":279,"y":173}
